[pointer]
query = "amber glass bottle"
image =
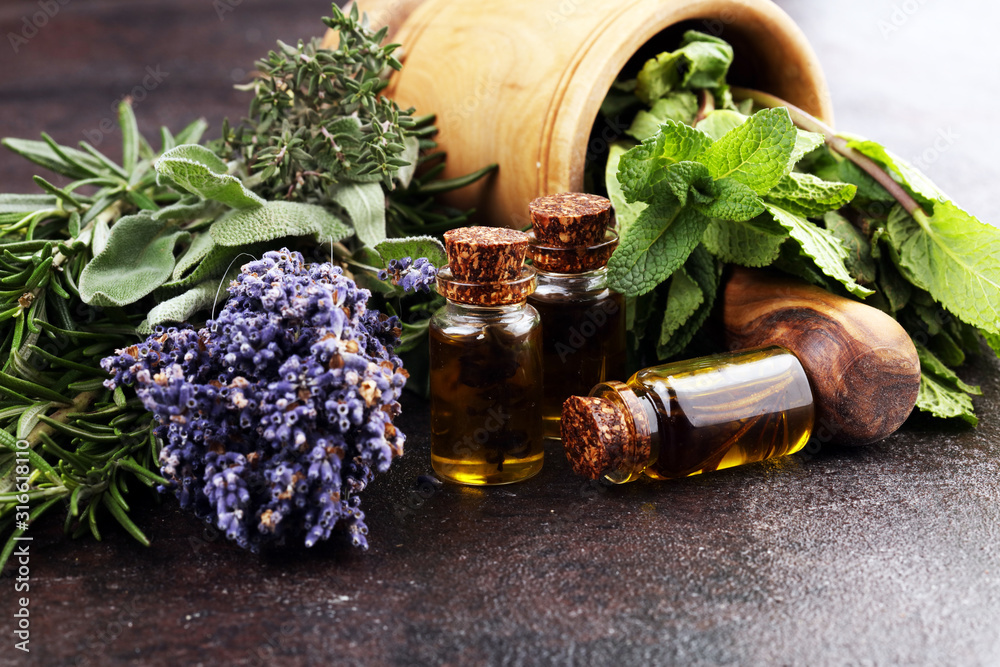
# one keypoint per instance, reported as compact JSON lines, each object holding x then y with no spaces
{"x":583,"y":321}
{"x":486,"y":362}
{"x":690,"y":417}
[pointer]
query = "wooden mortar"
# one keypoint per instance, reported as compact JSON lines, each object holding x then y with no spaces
{"x":520,"y":82}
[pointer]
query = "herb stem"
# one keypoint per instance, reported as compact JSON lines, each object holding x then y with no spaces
{"x":79,"y":404}
{"x":706,"y":106}
{"x":810,"y":123}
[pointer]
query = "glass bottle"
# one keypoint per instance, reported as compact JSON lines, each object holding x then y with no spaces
{"x":583,"y":321}
{"x":690,"y":417}
{"x":486,"y":362}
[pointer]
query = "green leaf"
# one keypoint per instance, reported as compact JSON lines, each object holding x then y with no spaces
{"x":707,"y":274}
{"x":413,"y":247}
{"x":412,"y":153}
{"x":654,"y":247}
{"x":860,"y":262}
{"x":188,"y":208}
{"x":755,"y":242}
{"x":701,"y":62}
{"x":954,"y":257}
{"x":683,"y":299}
{"x":902,"y":172}
{"x":626,"y":213}
{"x":809,"y":196}
{"x":182,"y":307}
{"x":138,"y":258}
{"x":686,"y":180}
{"x":993,"y":340}
{"x":805,"y":143}
{"x":645,"y":165}
{"x":130,"y":135}
{"x":892,"y":285}
{"x":13,"y":207}
{"x":721,"y":122}
{"x":199,"y":171}
{"x":364,"y":204}
{"x":824,"y":248}
{"x":680,"y":107}
{"x":733,"y":201}
{"x":756,"y":153}
{"x":201,"y":245}
{"x":929,"y":363}
{"x":276,"y":220}
{"x":943,"y":401}
{"x":81,"y":165}
{"x":192,"y":133}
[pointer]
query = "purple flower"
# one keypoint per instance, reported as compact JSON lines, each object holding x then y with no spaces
{"x":278,"y":413}
{"x":411,"y":276}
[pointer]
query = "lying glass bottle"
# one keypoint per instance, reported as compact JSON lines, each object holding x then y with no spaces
{"x":690,"y":417}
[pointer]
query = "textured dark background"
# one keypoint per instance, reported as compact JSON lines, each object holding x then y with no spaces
{"x":885,"y":555}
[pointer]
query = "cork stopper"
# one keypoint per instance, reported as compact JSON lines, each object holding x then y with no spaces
{"x":595,"y":434}
{"x":485,"y":254}
{"x":570,"y":233}
{"x":486,"y":267}
{"x":570,"y":219}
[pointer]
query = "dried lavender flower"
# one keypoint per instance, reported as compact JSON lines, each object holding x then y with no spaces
{"x":276,"y":415}
{"x":410,"y":275}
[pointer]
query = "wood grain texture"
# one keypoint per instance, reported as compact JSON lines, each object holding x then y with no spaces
{"x":520,"y":82}
{"x":861,"y":363}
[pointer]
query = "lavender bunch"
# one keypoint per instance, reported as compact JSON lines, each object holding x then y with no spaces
{"x":276,"y":415}
{"x":411,"y":276}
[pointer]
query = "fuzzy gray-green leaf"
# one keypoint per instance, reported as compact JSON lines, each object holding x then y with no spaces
{"x":199,"y":171}
{"x":413,"y":247}
{"x":364,"y":204}
{"x":276,"y":220}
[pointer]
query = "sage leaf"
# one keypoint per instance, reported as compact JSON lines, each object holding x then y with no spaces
{"x":180,"y":308}
{"x":276,"y":220}
{"x":364,"y":204}
{"x":199,"y":171}
{"x":810,"y":196}
{"x":413,"y":247}
{"x":954,"y":257}
{"x":756,"y":153}
{"x":201,"y":245}
{"x":654,"y":247}
{"x":821,"y":246}
{"x":138,"y":258}
{"x":626,"y":213}
{"x":410,"y":155}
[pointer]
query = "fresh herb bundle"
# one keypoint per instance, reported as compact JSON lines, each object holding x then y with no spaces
{"x":325,"y":164}
{"x":707,"y":182}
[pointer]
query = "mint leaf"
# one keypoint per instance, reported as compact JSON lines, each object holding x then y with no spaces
{"x":644,"y":166}
{"x":901,"y":171}
{"x":893,"y":286}
{"x":756,"y":153}
{"x":364,"y":204}
{"x":138,"y":258}
{"x":824,"y":248}
{"x":707,"y":273}
{"x":721,"y":122}
{"x":683,"y":299}
{"x":929,"y":363}
{"x":654,"y":247}
{"x":868,"y":188}
{"x":686,"y":179}
{"x":733,"y":201}
{"x":809,"y":196}
{"x":626,"y":213}
{"x":860,"y":262}
{"x":412,"y":247}
{"x":954,"y":257}
{"x":993,"y":340}
{"x":275,"y":220}
{"x":701,"y":62}
{"x":681,"y":107}
{"x":756,"y":242}
{"x":198,"y":170}
{"x":805,"y":143}
{"x":942,"y":401}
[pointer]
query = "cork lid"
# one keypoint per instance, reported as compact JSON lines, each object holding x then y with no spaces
{"x":595,"y":434}
{"x":570,"y":219}
{"x":485,"y":254}
{"x":486,"y":267}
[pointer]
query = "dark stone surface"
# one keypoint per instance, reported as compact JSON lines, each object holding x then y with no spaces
{"x":884,"y":555}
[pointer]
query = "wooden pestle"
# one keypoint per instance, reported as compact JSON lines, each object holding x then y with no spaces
{"x":861,"y":363}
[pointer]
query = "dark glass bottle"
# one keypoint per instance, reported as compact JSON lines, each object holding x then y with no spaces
{"x":583,"y":321}
{"x":690,"y":417}
{"x":486,"y":362}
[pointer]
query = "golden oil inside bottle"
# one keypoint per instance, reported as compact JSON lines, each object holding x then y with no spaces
{"x":486,"y":391}
{"x":583,"y":340}
{"x":714,"y":414}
